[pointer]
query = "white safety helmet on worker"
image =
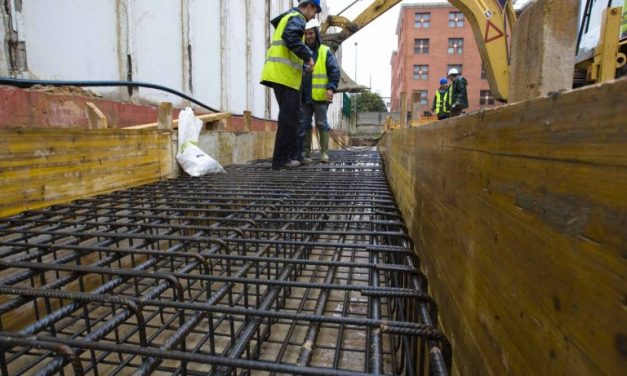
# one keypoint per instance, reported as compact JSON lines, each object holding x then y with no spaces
{"x":453,"y":72}
{"x":312,"y":23}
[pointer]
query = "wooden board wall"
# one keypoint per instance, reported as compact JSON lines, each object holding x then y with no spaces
{"x":41,"y":167}
{"x":519,"y":215}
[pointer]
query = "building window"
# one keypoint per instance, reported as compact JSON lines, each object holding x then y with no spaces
{"x":459,"y":68}
{"x":422,"y":20}
{"x":455,"y":45}
{"x":485,"y":97}
{"x":484,"y":75}
{"x":421,"y":72}
{"x":456,"y":19}
{"x":423,"y":97}
{"x":421,"y":46}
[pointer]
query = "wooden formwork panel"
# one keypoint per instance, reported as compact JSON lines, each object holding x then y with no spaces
{"x":40,"y":167}
{"x":519,"y":215}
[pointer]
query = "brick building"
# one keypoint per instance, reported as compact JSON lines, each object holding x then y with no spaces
{"x":432,"y":38}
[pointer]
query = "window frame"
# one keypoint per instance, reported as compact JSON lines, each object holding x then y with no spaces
{"x":424,"y":22}
{"x":454,"y":49}
{"x":459,"y":23}
{"x":421,"y":72}
{"x":486,"y":98}
{"x":421,"y":49}
{"x":423,"y":99}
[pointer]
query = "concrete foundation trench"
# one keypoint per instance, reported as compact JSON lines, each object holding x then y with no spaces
{"x":307,"y":271}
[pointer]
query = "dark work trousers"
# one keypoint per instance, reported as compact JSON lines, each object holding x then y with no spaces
{"x":288,"y":124}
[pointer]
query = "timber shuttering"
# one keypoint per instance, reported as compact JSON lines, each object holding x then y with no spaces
{"x":519,"y":215}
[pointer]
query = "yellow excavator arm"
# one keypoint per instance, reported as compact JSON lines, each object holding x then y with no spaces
{"x":491,"y":22}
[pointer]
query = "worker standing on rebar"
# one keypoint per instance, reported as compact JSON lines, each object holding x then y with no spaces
{"x":458,"y":92}
{"x":283,"y":72}
{"x":442,"y":100}
{"x":318,"y":89}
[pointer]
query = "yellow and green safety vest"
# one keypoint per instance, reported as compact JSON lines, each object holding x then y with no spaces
{"x":443,"y":102}
{"x":319,"y":79}
{"x":282,"y":66}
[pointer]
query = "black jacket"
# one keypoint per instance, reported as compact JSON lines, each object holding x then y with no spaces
{"x":460,"y":95}
{"x":293,"y":34}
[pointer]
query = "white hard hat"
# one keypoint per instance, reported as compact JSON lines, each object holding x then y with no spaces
{"x":452,"y":71}
{"x":312,"y":23}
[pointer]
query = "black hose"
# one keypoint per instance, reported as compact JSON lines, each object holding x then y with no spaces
{"x":22,"y":83}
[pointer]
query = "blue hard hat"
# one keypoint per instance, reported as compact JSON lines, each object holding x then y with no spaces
{"x":443,"y":81}
{"x":317,"y":4}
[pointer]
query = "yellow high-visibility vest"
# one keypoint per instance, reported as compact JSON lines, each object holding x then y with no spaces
{"x":282,"y":66}
{"x":319,"y":80}
{"x":442,"y":102}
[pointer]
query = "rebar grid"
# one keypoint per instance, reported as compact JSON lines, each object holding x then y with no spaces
{"x":306,"y":271}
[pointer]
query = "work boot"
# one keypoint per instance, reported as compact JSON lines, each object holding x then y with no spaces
{"x":292,"y":163}
{"x":324,"y":146}
{"x":307,"y":149}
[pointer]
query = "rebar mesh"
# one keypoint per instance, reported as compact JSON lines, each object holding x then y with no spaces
{"x":306,"y":271}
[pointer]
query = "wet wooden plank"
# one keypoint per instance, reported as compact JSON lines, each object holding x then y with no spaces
{"x":40,"y":167}
{"x":519,"y":215}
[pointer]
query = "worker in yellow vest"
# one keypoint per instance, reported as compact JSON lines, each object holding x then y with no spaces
{"x":283,"y":72}
{"x":318,"y":89}
{"x":442,"y":100}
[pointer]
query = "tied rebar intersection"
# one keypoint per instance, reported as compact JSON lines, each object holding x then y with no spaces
{"x":306,"y":271}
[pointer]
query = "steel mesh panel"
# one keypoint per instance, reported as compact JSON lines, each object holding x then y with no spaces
{"x":303,"y":271}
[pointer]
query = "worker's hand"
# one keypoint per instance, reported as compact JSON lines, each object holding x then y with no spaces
{"x":330,"y":96}
{"x":310,"y":65}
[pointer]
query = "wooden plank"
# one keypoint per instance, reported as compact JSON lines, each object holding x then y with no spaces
{"x":403,"y":115}
{"x":248,"y":120}
{"x":519,"y":216}
{"x":40,"y":167}
{"x":96,"y":118}
{"x":207,"y":118}
{"x":164,"y":116}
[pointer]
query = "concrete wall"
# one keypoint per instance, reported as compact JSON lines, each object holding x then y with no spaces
{"x":212,"y":50}
{"x":519,"y":216}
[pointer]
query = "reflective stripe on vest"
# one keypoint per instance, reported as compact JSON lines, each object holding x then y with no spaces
{"x":282,"y":66}
{"x":319,"y":79}
{"x":442,"y":102}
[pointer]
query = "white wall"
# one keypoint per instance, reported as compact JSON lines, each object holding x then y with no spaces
{"x":93,"y":40}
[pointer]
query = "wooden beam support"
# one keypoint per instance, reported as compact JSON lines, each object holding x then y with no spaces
{"x":403,"y":116}
{"x":206,"y":118}
{"x":96,"y":118}
{"x":248,"y":120}
{"x":164,"y":116}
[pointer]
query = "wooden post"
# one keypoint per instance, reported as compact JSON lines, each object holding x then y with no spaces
{"x":164,"y":116}
{"x":248,"y":119}
{"x":544,"y":41}
{"x":403,"y":116}
{"x":96,"y":118}
{"x":388,"y":123}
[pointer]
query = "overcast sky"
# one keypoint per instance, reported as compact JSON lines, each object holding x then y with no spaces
{"x":375,"y":43}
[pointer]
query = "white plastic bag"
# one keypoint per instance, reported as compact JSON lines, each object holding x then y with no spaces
{"x":192,"y":159}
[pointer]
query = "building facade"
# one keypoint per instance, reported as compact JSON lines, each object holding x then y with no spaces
{"x":432,"y":38}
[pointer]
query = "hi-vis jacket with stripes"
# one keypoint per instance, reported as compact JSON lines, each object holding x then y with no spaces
{"x":284,"y":60}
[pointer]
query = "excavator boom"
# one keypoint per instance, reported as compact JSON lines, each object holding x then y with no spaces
{"x":491,"y":22}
